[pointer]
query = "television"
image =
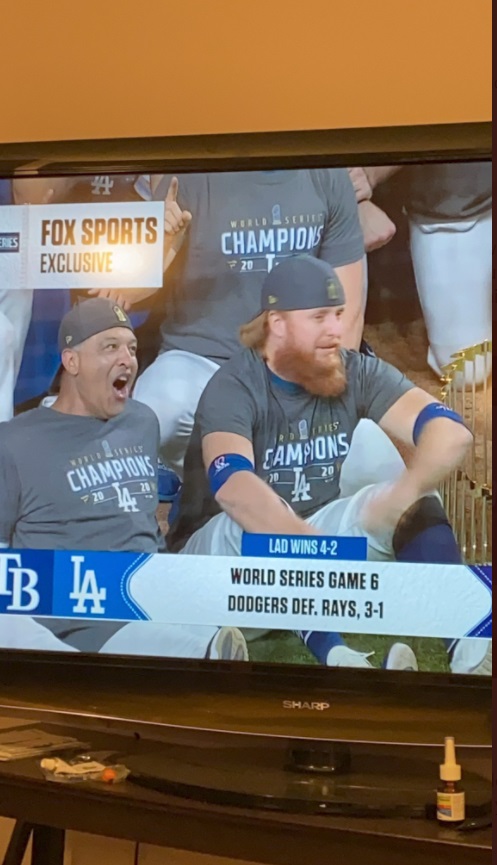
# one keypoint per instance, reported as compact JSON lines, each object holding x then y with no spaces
{"x":176,"y":611}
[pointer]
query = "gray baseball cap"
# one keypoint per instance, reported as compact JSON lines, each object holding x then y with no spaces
{"x":301,"y":282}
{"x":89,"y":317}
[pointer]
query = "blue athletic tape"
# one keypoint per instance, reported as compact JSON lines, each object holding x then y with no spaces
{"x":431,"y":411}
{"x":223,"y":467}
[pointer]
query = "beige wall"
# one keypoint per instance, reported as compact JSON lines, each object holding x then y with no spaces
{"x":96,"y":70}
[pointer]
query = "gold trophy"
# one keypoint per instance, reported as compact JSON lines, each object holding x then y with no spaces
{"x":467,"y":493}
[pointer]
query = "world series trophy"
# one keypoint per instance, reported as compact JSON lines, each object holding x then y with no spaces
{"x":467,"y":493}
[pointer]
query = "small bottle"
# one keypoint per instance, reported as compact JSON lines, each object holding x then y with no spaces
{"x":451,"y":806}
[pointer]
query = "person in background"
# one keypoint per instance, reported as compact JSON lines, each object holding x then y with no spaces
{"x":16,"y":303}
{"x":449,"y":208}
{"x":81,"y":475}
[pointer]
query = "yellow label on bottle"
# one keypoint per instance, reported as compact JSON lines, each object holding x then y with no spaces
{"x":450,"y":806}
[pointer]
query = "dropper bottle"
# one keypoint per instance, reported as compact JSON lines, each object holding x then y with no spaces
{"x":451,"y":804}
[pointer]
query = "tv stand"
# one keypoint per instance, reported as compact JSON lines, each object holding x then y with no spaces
{"x":307,"y":778}
{"x":268,"y":834}
{"x":329,"y":758}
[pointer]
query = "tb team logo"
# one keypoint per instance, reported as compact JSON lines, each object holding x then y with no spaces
{"x":18,"y":585}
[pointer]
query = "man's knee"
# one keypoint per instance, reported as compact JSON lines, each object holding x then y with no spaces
{"x":424,"y":531}
{"x":372,"y":458}
{"x":172,"y":406}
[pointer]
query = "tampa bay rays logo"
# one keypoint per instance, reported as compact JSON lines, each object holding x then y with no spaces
{"x":85,"y":589}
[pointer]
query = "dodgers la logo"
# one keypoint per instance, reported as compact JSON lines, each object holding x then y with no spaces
{"x":19,"y":583}
{"x":86,"y":590}
{"x":125,"y":500}
{"x":301,"y":488}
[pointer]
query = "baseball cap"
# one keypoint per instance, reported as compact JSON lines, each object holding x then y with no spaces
{"x":89,"y":317}
{"x":301,"y":282}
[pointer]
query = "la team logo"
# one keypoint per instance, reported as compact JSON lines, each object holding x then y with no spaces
{"x":85,"y":590}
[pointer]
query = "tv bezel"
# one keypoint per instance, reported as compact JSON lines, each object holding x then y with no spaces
{"x":244,"y":152}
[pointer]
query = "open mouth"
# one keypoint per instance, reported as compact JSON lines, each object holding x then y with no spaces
{"x":120,"y":386}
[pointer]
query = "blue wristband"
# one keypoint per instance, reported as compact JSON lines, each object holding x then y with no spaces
{"x":431,"y":411}
{"x":223,"y":467}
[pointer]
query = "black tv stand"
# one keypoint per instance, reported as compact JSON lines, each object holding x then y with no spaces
{"x":303,"y":777}
{"x":327,"y":758}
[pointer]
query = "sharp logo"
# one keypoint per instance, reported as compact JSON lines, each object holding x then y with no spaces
{"x":304,"y":704}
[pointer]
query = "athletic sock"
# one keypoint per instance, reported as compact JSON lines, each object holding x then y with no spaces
{"x":435,"y":545}
{"x":320,"y":643}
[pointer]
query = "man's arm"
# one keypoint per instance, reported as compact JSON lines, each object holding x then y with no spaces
{"x":342,"y":246}
{"x":377,"y":228}
{"x":247,"y":499}
{"x":440,"y":449}
{"x":352,"y":276}
{"x":10,"y":493}
{"x":377,"y":174}
{"x":176,"y":222}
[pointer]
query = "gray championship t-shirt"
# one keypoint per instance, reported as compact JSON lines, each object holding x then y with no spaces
{"x":79,"y":483}
{"x":300,"y":441}
{"x":449,"y":191}
{"x":243,"y":225}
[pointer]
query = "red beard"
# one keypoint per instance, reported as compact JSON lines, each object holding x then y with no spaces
{"x":324,"y":377}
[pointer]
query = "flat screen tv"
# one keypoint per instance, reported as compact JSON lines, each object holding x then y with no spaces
{"x":245,"y":450}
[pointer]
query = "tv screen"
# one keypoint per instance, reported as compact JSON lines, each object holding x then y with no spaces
{"x":245,"y":416}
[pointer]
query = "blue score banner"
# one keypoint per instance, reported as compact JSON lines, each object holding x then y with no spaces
{"x":279,"y":592}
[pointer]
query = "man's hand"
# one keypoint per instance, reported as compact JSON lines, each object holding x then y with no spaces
{"x":41,"y":190}
{"x":176,"y":222}
{"x":377,"y":228}
{"x":360,"y":181}
{"x":123,"y":297}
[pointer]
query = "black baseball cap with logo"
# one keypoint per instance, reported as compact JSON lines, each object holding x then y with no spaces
{"x":301,"y":282}
{"x":89,"y":317}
